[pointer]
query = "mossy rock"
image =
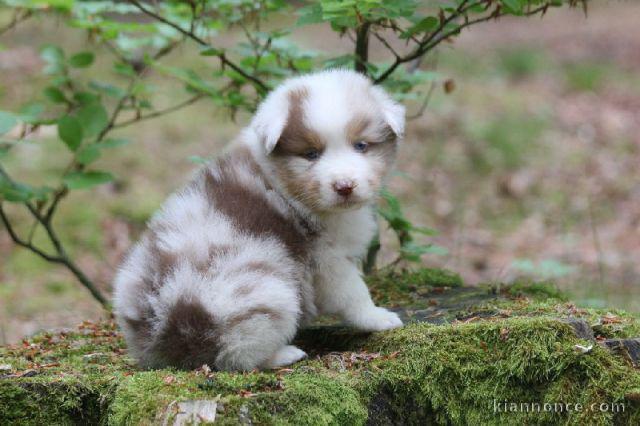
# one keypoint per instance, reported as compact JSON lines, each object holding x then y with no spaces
{"x":464,"y":356}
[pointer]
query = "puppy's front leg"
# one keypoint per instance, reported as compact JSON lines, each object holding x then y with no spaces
{"x":340,"y":290}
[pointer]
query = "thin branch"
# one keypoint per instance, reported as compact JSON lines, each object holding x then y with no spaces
{"x":263,"y":88}
{"x":20,"y":242}
{"x":386,"y":44}
{"x":15,"y":20}
{"x":436,"y":39}
{"x":421,"y":48}
{"x":61,"y":257}
{"x":158,"y":113}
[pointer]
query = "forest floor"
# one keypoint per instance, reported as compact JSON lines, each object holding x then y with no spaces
{"x":528,"y":168}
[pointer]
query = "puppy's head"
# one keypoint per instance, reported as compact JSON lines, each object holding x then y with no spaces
{"x":330,"y":138}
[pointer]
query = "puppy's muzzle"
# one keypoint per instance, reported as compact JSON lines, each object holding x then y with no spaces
{"x":344,"y":187}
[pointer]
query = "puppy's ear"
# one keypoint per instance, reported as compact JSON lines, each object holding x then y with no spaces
{"x":270,"y":120}
{"x":393,"y":111}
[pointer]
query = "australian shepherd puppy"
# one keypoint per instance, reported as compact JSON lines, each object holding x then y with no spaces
{"x":269,"y":235}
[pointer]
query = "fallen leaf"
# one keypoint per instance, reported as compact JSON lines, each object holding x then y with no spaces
{"x":504,"y":333}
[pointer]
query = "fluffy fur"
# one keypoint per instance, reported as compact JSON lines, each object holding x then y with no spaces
{"x":269,"y":235}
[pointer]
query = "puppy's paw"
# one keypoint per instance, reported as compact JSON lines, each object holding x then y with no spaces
{"x":377,"y":319}
{"x":286,"y":355}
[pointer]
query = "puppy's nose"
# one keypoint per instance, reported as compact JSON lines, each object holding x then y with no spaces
{"x":344,"y":187}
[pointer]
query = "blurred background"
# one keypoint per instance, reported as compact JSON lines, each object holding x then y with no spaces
{"x":527,"y":165}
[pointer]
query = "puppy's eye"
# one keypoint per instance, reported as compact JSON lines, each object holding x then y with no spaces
{"x":361,"y":146}
{"x":312,"y":154}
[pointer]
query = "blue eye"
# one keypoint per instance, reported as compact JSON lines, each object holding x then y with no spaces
{"x":312,"y":154}
{"x":361,"y":146}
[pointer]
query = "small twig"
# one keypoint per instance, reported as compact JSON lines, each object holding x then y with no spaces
{"x":386,"y":44}
{"x":159,"y":113}
{"x":425,"y":103}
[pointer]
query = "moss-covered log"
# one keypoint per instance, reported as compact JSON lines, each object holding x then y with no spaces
{"x":465,"y":357}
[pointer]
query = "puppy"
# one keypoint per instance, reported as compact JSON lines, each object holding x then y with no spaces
{"x":269,"y":235}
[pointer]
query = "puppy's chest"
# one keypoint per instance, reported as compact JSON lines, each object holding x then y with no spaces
{"x":347,"y":234}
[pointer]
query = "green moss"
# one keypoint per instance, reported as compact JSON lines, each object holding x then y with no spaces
{"x":501,"y":350}
{"x":539,"y":290}
{"x":459,"y":371}
{"x":400,"y":288}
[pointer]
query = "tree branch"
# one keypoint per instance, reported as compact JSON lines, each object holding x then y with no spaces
{"x":437,"y":36}
{"x":259,"y":84}
{"x":15,"y":20}
{"x":20,"y":242}
{"x":362,"y":47}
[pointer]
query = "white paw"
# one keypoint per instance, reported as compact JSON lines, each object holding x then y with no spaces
{"x":377,"y":319}
{"x":286,"y":355}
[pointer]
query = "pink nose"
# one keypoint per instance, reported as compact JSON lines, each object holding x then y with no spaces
{"x":344,"y":187}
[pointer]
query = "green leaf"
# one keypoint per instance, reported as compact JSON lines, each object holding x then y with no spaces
{"x":114,"y":143}
{"x":513,"y":6}
{"x":311,"y":14}
{"x":85,"y":98}
{"x":55,"y":95}
{"x":70,"y":131}
{"x":84,"y":180}
{"x":93,"y":118}
{"x":52,"y":54}
{"x":88,"y":154}
{"x":124,"y":69}
{"x":211,"y":51}
{"x":31,"y":112}
{"x":424,"y":230}
{"x":428,"y":24}
{"x":54,"y":58}
{"x":196,"y":159}
{"x":81,"y":60}
{"x":7,"y":122}
{"x":108,"y":89}
{"x":17,"y":192}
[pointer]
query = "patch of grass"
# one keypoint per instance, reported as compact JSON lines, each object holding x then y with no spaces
{"x":57,"y":287}
{"x":520,"y":63}
{"x":586,"y":77}
{"x":504,"y":142}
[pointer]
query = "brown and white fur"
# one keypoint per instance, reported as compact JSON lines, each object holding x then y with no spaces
{"x":269,"y":235}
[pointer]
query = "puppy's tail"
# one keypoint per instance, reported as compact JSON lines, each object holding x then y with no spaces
{"x":188,"y":336}
{"x":228,"y":322}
